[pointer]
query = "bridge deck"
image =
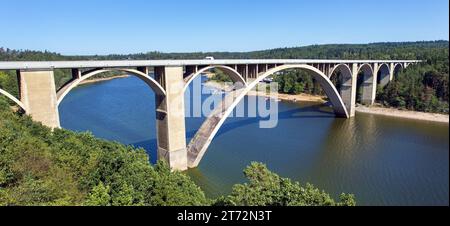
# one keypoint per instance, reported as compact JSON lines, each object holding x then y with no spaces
{"x":17,"y":65}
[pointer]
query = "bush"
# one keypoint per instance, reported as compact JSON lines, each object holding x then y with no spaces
{"x":266,"y":188}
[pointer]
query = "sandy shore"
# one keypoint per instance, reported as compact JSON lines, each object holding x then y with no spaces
{"x":290,"y":97}
{"x":279,"y":96}
{"x":378,"y":110}
{"x":403,"y":113}
{"x":94,"y":80}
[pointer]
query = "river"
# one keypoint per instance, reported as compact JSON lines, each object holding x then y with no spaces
{"x":382,"y":160}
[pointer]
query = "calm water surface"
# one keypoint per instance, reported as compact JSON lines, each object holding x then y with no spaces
{"x":382,"y":160}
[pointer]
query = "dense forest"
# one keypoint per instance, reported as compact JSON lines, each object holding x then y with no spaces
{"x":39,"y":166}
{"x":383,"y":51}
{"x":422,"y":87}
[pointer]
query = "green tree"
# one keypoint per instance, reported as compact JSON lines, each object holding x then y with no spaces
{"x":220,"y":76}
{"x":99,"y":196}
{"x":266,"y":188}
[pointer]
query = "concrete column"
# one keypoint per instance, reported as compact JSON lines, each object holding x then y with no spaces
{"x":171,"y":131}
{"x":76,"y":73}
{"x":143,"y":70}
{"x":375,"y":68}
{"x":330,"y":68}
{"x":242,"y":70}
{"x":246,"y":73}
{"x":252,"y":72}
{"x":348,"y":89}
{"x":391,"y":71}
{"x":38,"y":94}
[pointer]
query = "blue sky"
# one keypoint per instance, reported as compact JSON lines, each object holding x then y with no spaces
{"x":132,"y":26}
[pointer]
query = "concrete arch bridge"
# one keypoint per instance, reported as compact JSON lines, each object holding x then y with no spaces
{"x":39,"y":97}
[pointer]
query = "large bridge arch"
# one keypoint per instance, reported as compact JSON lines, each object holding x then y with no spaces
{"x":234,"y":75}
{"x":152,"y":83}
{"x":14,"y":99}
{"x":207,"y":131}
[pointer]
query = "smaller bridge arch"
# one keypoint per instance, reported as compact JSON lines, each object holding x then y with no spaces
{"x":368,"y":84}
{"x":152,"y":83}
{"x":234,"y":75}
{"x":396,"y":69}
{"x":398,"y":66}
{"x":383,"y":75}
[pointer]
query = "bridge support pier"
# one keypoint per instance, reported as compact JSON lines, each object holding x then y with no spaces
{"x":38,"y":94}
{"x":391,"y":71}
{"x":348,"y":89}
{"x":171,"y":131}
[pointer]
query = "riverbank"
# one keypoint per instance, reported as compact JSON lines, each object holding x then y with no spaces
{"x":392,"y":112}
{"x":94,"y":80}
{"x":377,"y":110}
{"x":278,"y":96}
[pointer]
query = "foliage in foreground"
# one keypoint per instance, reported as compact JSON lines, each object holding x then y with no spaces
{"x":266,"y":188}
{"x":43,"y":167}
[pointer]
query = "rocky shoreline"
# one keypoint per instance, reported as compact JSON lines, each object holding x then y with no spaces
{"x":392,"y":112}
{"x":279,"y":96}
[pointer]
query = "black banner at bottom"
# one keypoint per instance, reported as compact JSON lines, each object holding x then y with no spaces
{"x":222,"y":215}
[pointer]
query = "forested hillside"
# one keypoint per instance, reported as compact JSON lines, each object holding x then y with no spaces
{"x":382,"y":51}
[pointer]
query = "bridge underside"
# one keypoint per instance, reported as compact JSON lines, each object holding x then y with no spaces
{"x":40,"y":99}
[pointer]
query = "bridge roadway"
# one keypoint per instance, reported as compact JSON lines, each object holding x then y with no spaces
{"x":24,"y":65}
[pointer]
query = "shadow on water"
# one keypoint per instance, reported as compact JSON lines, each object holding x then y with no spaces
{"x":289,"y":114}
